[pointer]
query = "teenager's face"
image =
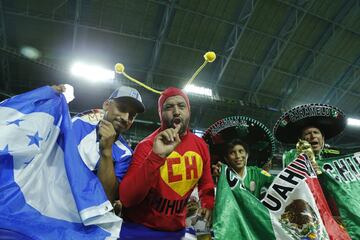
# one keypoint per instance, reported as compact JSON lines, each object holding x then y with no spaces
{"x":237,"y":157}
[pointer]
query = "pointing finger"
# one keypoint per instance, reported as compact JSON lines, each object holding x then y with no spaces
{"x":177,"y":128}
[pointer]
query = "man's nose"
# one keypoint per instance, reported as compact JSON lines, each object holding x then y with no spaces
{"x":176,"y":110}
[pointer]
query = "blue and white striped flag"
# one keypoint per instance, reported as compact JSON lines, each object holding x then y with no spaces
{"x":46,"y":191}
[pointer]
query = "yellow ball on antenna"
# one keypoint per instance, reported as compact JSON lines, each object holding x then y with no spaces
{"x":210,"y":56}
{"x":119,"y":68}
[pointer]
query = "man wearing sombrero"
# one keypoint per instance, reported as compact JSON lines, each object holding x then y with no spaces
{"x":243,"y":144}
{"x":314,"y":123}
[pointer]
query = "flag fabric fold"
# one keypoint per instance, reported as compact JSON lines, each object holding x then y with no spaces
{"x":238,"y":214}
{"x":294,"y":207}
{"x":46,"y":191}
{"x":341,"y":181}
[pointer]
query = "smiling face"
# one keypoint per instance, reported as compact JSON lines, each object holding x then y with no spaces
{"x":121,"y":114}
{"x":314,"y":136}
{"x":176,"y":112}
{"x":237,"y":157}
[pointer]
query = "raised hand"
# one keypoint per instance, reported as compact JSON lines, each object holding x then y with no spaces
{"x":107,"y":135}
{"x":303,"y":146}
{"x":216,"y":168}
{"x":166,"y":141}
{"x":59,"y":88}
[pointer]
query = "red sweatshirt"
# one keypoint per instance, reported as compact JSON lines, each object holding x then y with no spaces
{"x":155,"y":190}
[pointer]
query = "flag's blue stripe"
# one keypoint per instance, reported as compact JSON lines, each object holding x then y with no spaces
{"x":18,"y":216}
{"x":87,"y":189}
{"x":15,"y":213}
{"x":80,"y":177}
{"x":12,"y":235}
{"x":36,"y":101}
{"x":83,"y":129}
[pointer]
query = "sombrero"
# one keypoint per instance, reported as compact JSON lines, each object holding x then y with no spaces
{"x":92,"y":116}
{"x":329,"y":119}
{"x":255,"y":134}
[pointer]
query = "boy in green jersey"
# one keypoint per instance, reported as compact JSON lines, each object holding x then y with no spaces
{"x":253,"y":178}
{"x":245,"y":145}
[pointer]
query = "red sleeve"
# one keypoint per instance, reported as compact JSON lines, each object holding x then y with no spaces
{"x":141,"y":175}
{"x":206,"y":184}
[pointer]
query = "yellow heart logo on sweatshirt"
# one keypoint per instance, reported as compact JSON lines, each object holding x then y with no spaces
{"x":182,"y":172}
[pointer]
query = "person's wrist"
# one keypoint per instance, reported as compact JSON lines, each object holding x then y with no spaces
{"x":162,"y":155}
{"x":106,"y":152}
{"x":159,"y":152}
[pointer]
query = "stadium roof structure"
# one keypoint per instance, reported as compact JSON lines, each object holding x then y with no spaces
{"x":271,"y":54}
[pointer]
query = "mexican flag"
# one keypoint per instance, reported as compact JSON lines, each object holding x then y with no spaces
{"x":294,"y":207}
{"x":341,"y":183}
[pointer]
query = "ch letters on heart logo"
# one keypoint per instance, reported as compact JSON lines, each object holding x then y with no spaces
{"x":182,"y":172}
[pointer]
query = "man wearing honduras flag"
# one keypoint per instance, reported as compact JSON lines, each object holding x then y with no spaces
{"x":98,"y":136}
{"x":46,"y":190}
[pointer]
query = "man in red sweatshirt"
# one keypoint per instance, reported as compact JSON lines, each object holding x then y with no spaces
{"x":166,"y":167}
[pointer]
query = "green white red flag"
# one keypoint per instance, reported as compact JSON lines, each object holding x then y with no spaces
{"x":341,"y":183}
{"x":294,"y":207}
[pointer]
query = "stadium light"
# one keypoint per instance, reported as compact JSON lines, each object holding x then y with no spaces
{"x":198,"y":90}
{"x":92,"y":73}
{"x":30,"y":52}
{"x":353,"y":122}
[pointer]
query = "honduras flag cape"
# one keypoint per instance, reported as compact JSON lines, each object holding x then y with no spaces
{"x":46,"y":191}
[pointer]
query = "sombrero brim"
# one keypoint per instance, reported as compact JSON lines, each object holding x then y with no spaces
{"x":330,"y":120}
{"x":92,"y":116}
{"x":255,"y":134}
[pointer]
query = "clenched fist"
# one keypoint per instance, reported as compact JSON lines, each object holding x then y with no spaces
{"x":107,"y":135}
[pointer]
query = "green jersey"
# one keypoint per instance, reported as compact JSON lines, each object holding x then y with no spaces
{"x":256,"y":180}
